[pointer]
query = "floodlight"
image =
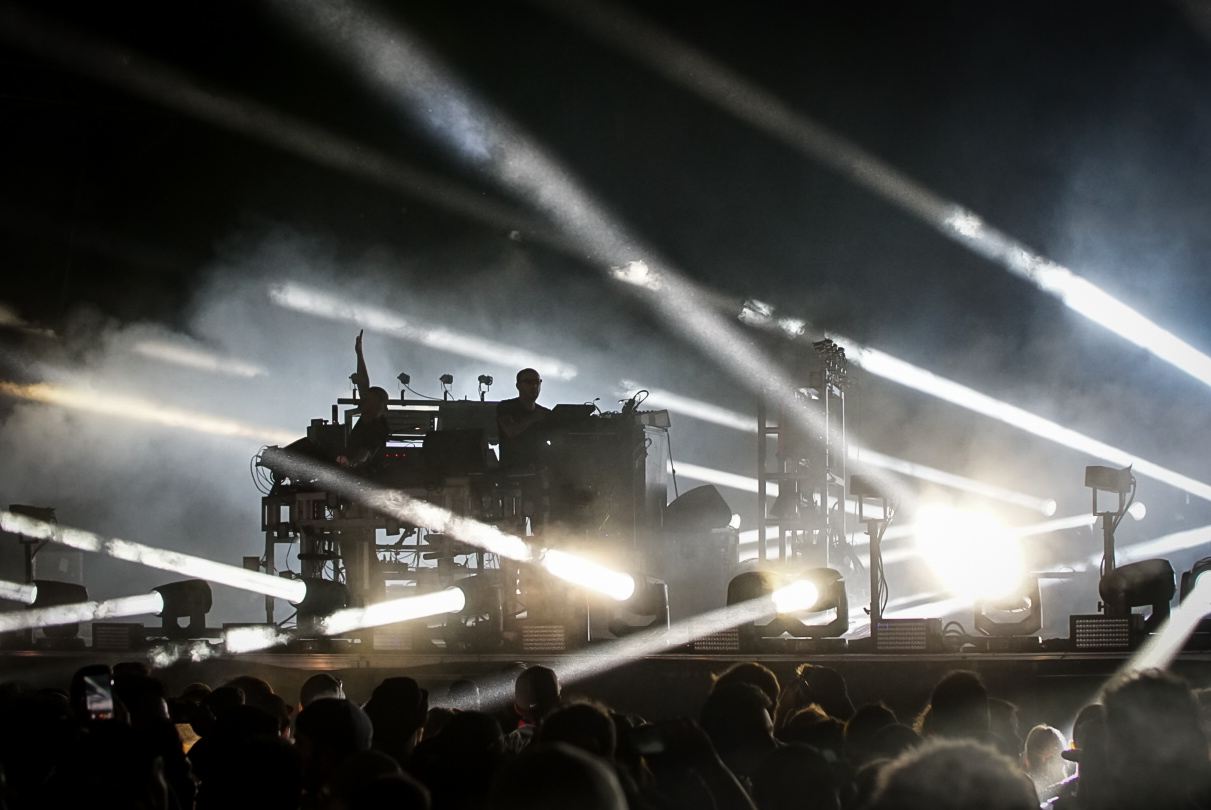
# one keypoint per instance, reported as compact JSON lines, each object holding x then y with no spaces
{"x":1147,"y":583}
{"x":1109,"y":479}
{"x":189,"y":599}
{"x":52,"y":593}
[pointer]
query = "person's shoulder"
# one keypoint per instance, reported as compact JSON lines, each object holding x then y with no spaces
{"x":506,"y":405}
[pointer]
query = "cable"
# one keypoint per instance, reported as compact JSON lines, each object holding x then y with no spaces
{"x":668,"y":438}
{"x":422,"y":396}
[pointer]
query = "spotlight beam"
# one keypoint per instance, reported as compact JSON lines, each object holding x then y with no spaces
{"x":301,"y":298}
{"x":748,"y":102}
{"x":176,"y":562}
{"x":142,"y":410}
{"x":18,"y":592}
{"x":81,"y":612}
{"x":891,"y":368}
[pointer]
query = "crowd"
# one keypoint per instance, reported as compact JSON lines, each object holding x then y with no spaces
{"x":756,"y":744}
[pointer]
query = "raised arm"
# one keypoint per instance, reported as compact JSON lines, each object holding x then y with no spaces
{"x":362,"y":378}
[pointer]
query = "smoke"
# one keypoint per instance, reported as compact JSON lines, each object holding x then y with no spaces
{"x":241,"y":358}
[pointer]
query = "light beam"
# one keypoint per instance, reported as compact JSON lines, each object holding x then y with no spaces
{"x":692,"y":69}
{"x":81,"y":612}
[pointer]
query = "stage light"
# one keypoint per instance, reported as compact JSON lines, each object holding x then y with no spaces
{"x":1137,"y":510}
{"x":651,"y":599}
{"x":587,"y":574}
{"x":193,"y":358}
{"x":52,"y":594}
{"x":62,"y":621}
{"x":312,"y":301}
{"x":970,"y":553}
{"x":323,"y":598}
{"x":17,"y":592}
{"x":1148,"y":583}
{"x":1191,"y":578}
{"x":1108,"y":479}
{"x":763,"y":110}
{"x":176,"y":562}
{"x":813,"y":591}
{"x":188,"y":599}
{"x":142,"y":410}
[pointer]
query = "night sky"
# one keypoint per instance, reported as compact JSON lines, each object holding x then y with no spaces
{"x":131,"y":210}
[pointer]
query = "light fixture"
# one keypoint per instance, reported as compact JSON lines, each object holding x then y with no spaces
{"x":1122,"y":483}
{"x":1147,"y":583}
{"x":188,"y":599}
{"x":53,"y":593}
{"x":814,"y":591}
{"x":322,"y":598}
{"x":649,"y":606}
{"x":1016,"y":614}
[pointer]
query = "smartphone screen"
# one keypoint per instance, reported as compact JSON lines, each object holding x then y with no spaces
{"x":98,"y":697}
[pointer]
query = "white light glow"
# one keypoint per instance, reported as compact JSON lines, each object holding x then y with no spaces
{"x":184,"y":564}
{"x":82,"y":612}
{"x":18,"y":592}
{"x":588,"y":574}
{"x":301,"y":298}
{"x":450,"y":600}
{"x":194,"y":358}
{"x":702,"y":411}
{"x":970,"y":552}
{"x":142,"y":410}
{"x":639,"y":274}
{"x":1137,"y":510}
{"x":708,"y":475}
{"x":796,"y":597}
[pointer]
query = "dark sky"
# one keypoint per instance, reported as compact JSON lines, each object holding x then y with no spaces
{"x":1082,"y":129}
